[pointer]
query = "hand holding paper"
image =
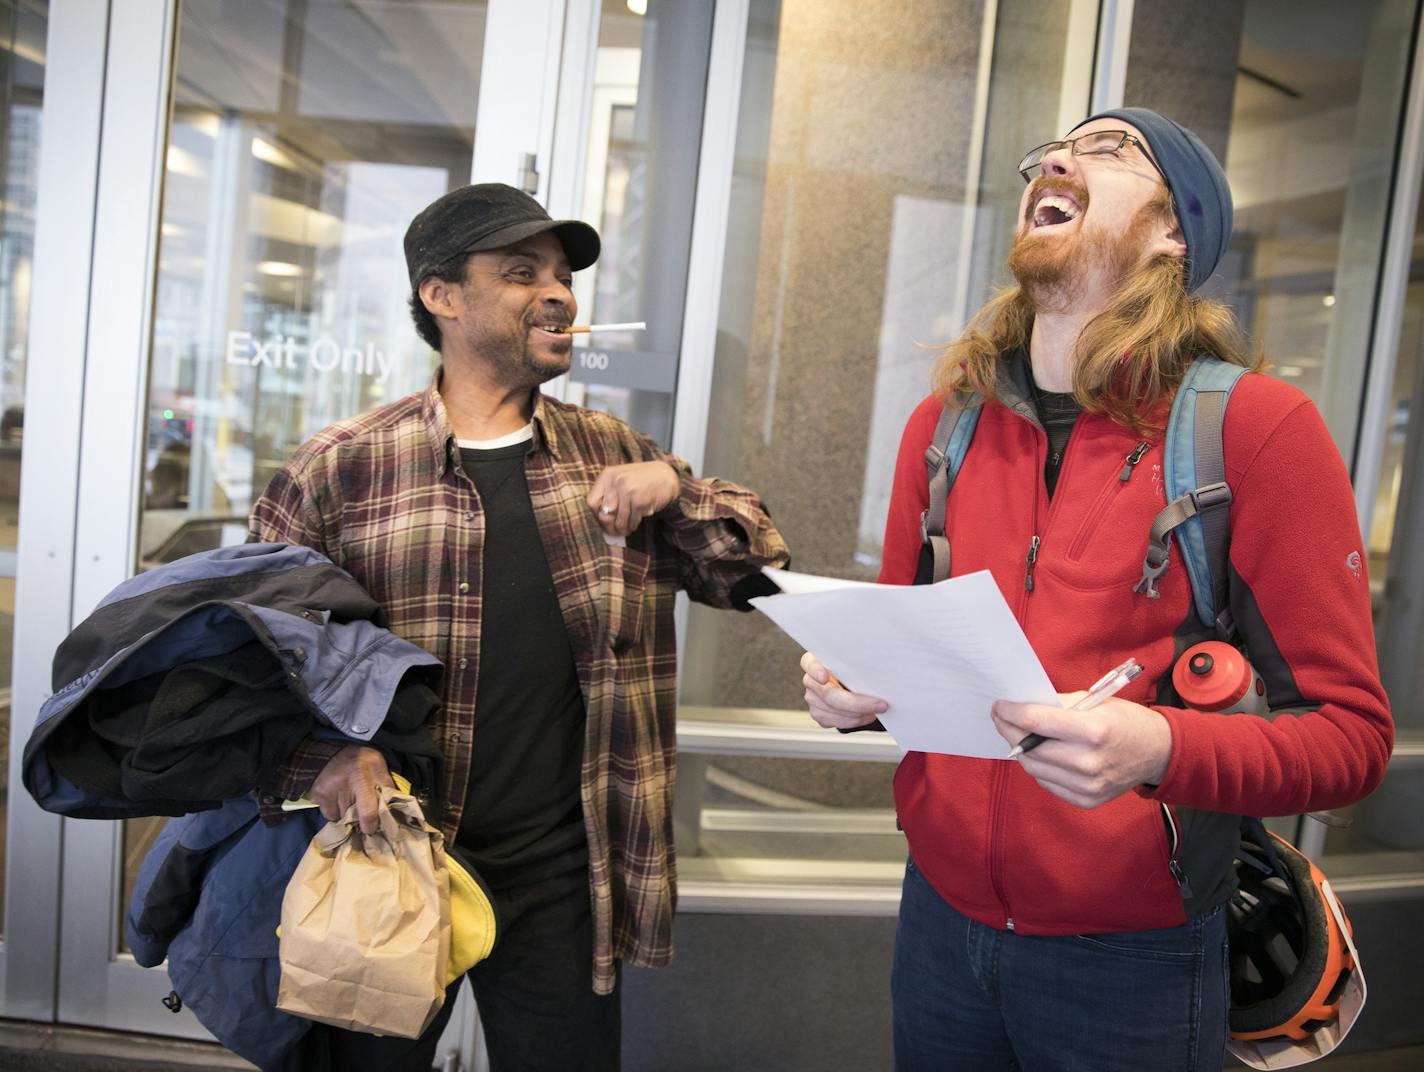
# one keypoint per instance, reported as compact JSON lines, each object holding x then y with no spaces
{"x":937,"y":655}
{"x":831,"y":704}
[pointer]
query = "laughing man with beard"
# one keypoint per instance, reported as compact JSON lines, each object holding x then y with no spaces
{"x":536,"y":548}
{"x":1048,"y":919}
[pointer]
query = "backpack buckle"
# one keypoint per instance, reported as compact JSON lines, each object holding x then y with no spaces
{"x":1211,"y":496}
{"x":1150,"y":572}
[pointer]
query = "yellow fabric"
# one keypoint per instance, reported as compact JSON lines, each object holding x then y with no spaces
{"x":472,"y":919}
{"x":472,"y":923}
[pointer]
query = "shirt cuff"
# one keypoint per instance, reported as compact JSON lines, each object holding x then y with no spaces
{"x":294,"y":777}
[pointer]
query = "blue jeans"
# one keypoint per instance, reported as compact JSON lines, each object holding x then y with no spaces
{"x":970,"y":997}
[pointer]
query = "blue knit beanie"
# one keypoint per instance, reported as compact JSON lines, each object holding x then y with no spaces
{"x":1198,"y":186}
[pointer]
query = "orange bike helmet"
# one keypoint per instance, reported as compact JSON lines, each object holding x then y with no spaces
{"x":1296,"y":983}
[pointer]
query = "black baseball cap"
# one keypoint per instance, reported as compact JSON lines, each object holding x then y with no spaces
{"x":488,"y":215}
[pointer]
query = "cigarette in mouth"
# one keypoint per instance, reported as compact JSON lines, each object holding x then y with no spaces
{"x":581,"y":329}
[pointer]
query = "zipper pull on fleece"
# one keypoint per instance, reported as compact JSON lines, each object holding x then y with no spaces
{"x":1180,"y":876}
{"x":1174,"y":839}
{"x":1032,"y":558}
{"x":1132,"y":459}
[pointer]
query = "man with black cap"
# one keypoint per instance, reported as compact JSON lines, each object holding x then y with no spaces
{"x":536,"y":548}
{"x":1066,"y":911}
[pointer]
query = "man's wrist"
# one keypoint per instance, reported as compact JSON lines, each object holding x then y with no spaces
{"x":294,"y":777}
{"x":1162,"y":753}
{"x":676,"y":491}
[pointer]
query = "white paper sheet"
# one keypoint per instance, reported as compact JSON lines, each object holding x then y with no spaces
{"x":939,"y":655}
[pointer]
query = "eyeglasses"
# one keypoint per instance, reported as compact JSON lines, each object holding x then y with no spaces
{"x":1098,"y":143}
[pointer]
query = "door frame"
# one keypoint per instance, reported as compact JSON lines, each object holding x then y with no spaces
{"x":65,"y":222}
{"x":109,"y":75}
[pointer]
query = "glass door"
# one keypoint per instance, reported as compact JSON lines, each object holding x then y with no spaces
{"x":260,"y":164}
{"x":636,"y":110}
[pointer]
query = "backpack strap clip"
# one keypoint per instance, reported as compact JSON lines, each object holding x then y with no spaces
{"x":1212,"y":496}
{"x":1208,"y":498}
{"x":943,"y":457}
{"x":932,"y":518}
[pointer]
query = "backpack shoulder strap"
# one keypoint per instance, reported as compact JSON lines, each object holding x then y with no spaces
{"x":943,"y":458}
{"x":1198,"y":499}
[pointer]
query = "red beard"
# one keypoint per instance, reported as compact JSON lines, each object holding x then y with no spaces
{"x":1051,"y":268}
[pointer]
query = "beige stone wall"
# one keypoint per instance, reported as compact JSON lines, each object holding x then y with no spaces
{"x":871,"y":105}
{"x":871,"y":101}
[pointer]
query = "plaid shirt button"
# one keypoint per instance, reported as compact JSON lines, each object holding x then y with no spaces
{"x":464,"y":587}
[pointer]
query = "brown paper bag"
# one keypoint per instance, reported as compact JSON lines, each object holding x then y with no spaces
{"x":365,"y":933}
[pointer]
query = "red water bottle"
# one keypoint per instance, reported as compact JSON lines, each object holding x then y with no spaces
{"x":1214,"y":676}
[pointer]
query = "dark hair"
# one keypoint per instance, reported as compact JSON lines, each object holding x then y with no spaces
{"x":451,"y":271}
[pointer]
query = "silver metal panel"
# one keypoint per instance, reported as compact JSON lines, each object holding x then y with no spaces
{"x":1110,"y":63}
{"x":730,"y":897}
{"x":96,"y":986}
{"x":136,"y":96}
{"x":518,"y":90}
{"x":756,"y":885}
{"x":709,"y":233}
{"x":763,"y":732}
{"x":1076,"y":93}
{"x":1408,"y":752}
{"x":1389,"y":309}
{"x":974,"y":171}
{"x":121,"y":995}
{"x":828,"y":821}
{"x":573,"y":110}
{"x":709,"y":246}
{"x":1379,"y":888}
{"x":64,"y":228}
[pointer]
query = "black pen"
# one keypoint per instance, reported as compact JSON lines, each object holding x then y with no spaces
{"x":1110,"y":684}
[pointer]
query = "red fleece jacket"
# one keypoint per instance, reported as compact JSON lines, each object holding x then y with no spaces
{"x":1008,"y":853}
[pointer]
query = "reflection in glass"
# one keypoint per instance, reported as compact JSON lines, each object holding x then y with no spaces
{"x":23,"y":27}
{"x":305,"y":136}
{"x":640,"y":177}
{"x":302,"y":143}
{"x":1389,"y":826}
{"x":1301,"y":99}
{"x":862,"y":229}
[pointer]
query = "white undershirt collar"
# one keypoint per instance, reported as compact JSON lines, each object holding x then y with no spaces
{"x":521,"y":435}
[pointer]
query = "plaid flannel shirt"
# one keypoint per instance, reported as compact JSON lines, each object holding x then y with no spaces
{"x":383,"y":496}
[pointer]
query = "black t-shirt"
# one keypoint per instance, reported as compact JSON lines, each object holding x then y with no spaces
{"x":1057,"y":412}
{"x":523,"y":819}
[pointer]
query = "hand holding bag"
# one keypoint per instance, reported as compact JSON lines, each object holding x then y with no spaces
{"x":365,"y":937}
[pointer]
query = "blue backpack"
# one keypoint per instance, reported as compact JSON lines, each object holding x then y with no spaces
{"x":1194,"y":471}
